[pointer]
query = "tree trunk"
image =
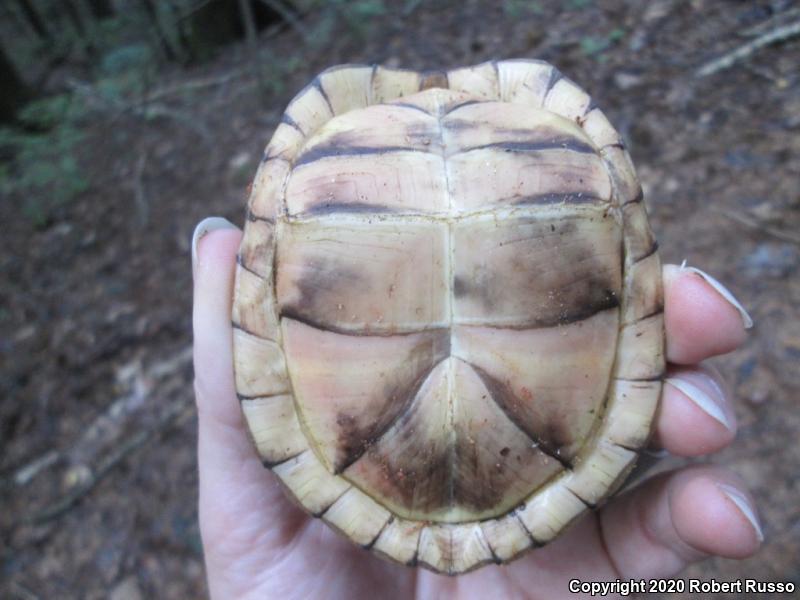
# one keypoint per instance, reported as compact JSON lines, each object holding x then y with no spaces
{"x":163,"y":41}
{"x":33,"y":19}
{"x":101,"y":9}
{"x":74,"y":16}
{"x":15,"y":92}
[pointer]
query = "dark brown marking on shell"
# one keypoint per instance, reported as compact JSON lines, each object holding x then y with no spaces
{"x":636,"y":199}
{"x":291,"y":123}
{"x":647,"y":253}
{"x":633,"y":449}
{"x":411,"y":107}
{"x":591,"y":298}
{"x":239,"y":326}
{"x":620,"y":144}
{"x":495,"y":559}
{"x":267,"y":157}
{"x":357,"y":434}
{"x":433,"y":79}
{"x":455,"y":107}
{"x":570,"y":143}
{"x":320,"y":513}
{"x":586,"y":503}
{"x":320,"y":278}
{"x":589,"y":107}
{"x":371,"y":543}
{"x":317,"y":83}
{"x":585,"y":197}
{"x":496,"y":70}
{"x":658,"y":377}
{"x":336,"y":150}
{"x":253,"y":217}
{"x":241,"y":263}
{"x":271,"y":464}
{"x":657,"y":311}
{"x":555,"y":77}
{"x":534,"y":542}
{"x":504,"y":397}
{"x":329,"y":207}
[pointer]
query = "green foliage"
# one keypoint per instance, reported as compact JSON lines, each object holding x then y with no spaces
{"x":521,"y":8}
{"x":596,"y":45}
{"x":275,"y":71}
{"x":44,"y":171}
{"x":356,"y":14}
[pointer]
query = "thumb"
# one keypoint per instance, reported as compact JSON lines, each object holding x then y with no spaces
{"x":242,"y":508}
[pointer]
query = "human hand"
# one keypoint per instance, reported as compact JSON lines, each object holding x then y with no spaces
{"x":259,"y":545}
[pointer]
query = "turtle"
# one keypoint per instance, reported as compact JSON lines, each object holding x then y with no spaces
{"x":448,"y":309}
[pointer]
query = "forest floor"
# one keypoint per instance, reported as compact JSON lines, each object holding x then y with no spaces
{"x":95,"y":328}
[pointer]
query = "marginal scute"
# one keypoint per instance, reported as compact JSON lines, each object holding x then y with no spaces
{"x":454,"y":548}
{"x":273,"y":425}
{"x":310,"y":483}
{"x":549,"y":511}
{"x":568,"y":100}
{"x":621,"y":169}
{"x":255,"y":311}
{"x":399,"y":540}
{"x":640,"y":350}
{"x":630,"y":415}
{"x":524,"y":81}
{"x":639,"y":240}
{"x":267,"y":191}
{"x":357,"y":516}
{"x":308,"y":111}
{"x":479,"y":81}
{"x":644,"y":289}
{"x":506,"y":536}
{"x":391,"y":84}
{"x":259,"y":366}
{"x":255,"y":252}
{"x":347,"y":87}
{"x":598,"y":128}
{"x":599,"y":471}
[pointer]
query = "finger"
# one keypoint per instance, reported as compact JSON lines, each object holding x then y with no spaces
{"x":242,"y":508}
{"x":675,"y":519}
{"x":696,"y":416}
{"x":214,"y":250}
{"x":702,"y":318}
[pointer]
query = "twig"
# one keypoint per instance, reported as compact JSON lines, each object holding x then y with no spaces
{"x":753,"y":224}
{"x":196,"y":84}
{"x":128,"y":447}
{"x":763,"y":26}
{"x":726,"y":61}
{"x":105,"y":103}
{"x":139,"y":192}
{"x":26,"y":474}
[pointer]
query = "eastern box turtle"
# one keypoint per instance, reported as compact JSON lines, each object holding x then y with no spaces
{"x":448,"y":312}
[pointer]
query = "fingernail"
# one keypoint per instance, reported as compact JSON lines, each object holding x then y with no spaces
{"x":722,"y":291}
{"x":205,"y":226}
{"x":738,"y":498}
{"x":706,"y":402}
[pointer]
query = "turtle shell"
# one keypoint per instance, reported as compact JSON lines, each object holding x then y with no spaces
{"x":448,"y":328}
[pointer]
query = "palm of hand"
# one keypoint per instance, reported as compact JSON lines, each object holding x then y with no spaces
{"x":258,"y":545}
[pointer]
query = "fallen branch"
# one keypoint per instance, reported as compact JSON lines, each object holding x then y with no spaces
{"x":753,"y":224}
{"x":26,"y":474}
{"x":779,"y":34}
{"x":139,"y":192}
{"x":170,"y":416}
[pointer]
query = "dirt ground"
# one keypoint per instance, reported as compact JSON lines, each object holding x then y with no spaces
{"x":95,"y":330}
